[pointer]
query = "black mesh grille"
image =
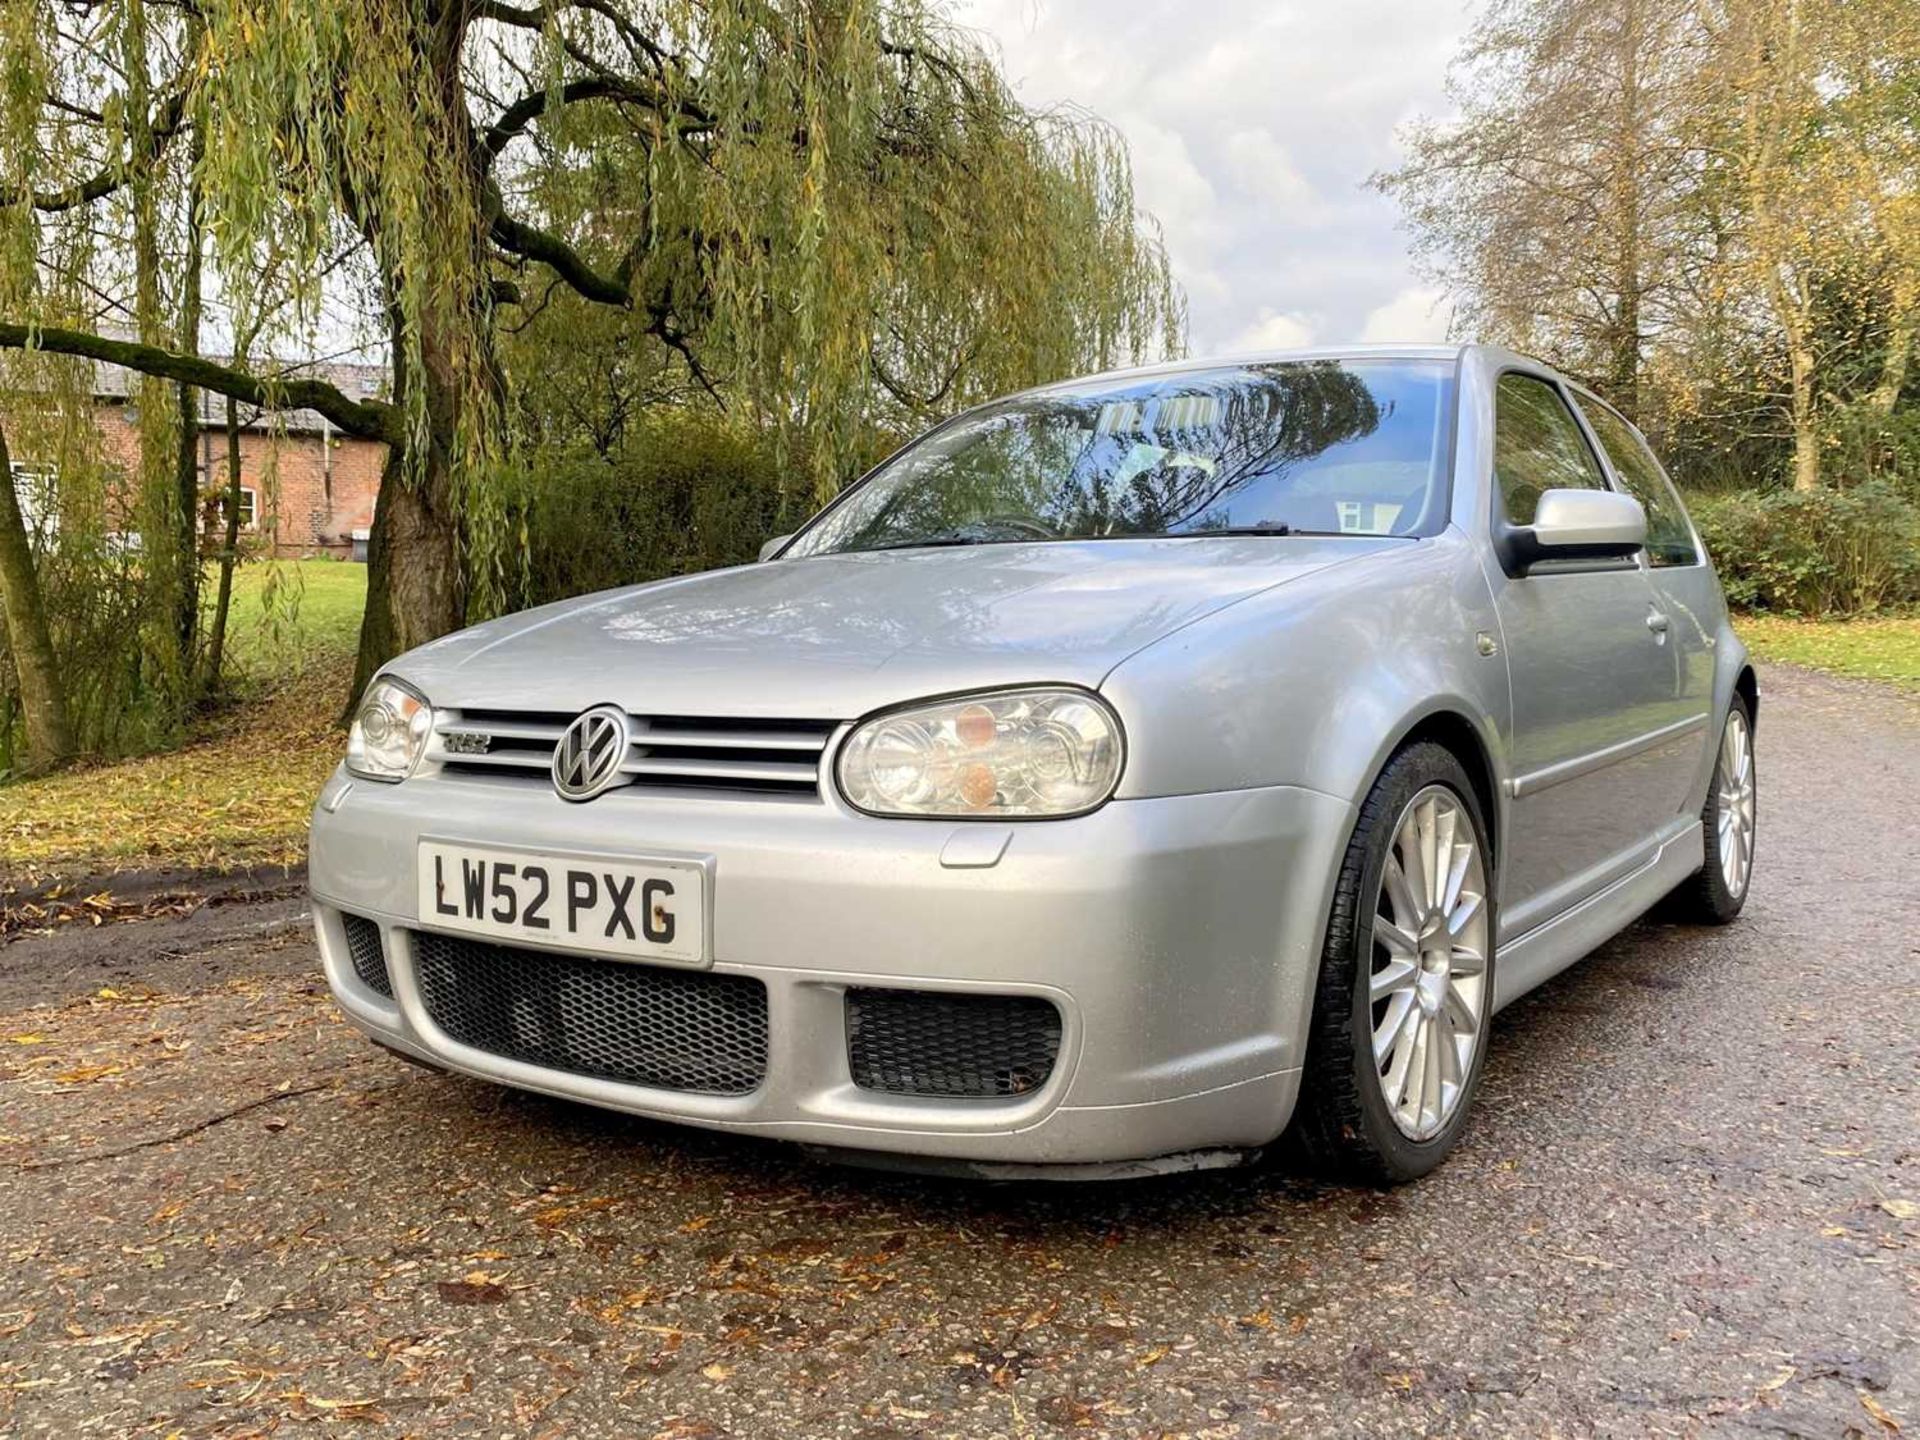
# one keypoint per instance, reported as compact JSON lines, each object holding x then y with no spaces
{"x":921,"y":1042}
{"x":369,"y":960}
{"x":673,"y":1029}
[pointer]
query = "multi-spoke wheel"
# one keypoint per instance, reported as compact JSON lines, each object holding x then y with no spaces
{"x":1429,"y":983}
{"x":1728,"y":822}
{"x":1406,"y":979}
{"x":1734,"y":792}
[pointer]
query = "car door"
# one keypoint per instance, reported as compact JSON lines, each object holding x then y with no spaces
{"x":1676,"y":565}
{"x":1599,"y":744}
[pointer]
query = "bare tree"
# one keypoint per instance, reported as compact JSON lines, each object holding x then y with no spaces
{"x":1555,"y":205}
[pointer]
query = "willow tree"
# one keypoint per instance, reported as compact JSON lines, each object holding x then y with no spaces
{"x":818,"y":206}
{"x":85,"y":210}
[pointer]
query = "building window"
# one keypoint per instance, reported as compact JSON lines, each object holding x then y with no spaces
{"x":36,"y":484}
{"x":249,"y":507}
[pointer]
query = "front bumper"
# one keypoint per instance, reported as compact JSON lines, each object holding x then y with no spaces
{"x":1179,"y":938}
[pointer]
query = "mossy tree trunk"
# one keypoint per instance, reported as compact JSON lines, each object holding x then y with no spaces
{"x":229,"y":553}
{"x":43,"y":696}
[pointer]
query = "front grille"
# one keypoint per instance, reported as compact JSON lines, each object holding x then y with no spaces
{"x":673,"y":1029}
{"x":672,"y":752}
{"x":369,"y":958}
{"x":923,"y":1042}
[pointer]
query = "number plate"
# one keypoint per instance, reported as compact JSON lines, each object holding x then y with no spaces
{"x":626,"y":909}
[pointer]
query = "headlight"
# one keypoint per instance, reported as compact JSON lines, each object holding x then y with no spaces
{"x":389,"y":732}
{"x":1023,"y":752}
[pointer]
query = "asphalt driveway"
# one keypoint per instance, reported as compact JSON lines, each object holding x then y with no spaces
{"x":1690,"y":1205}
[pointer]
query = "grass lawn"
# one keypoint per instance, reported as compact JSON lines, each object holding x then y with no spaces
{"x":1887,"y":650}
{"x":238,"y":792}
{"x":289,"y":615}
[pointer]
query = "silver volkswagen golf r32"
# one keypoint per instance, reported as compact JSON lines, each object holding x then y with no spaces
{"x":1121,"y":773}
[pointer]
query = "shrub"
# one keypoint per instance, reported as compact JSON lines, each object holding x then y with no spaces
{"x":684,"y":492}
{"x":1864,"y":442}
{"x":1819,"y":552}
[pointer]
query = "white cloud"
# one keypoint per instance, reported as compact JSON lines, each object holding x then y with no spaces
{"x":1419,"y":313}
{"x":1264,"y":173}
{"x":1254,"y":126}
{"x":1272,"y":331}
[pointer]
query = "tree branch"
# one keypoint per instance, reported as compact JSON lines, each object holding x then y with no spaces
{"x":515,"y":119}
{"x":532,"y":17}
{"x":557,"y":255}
{"x":166,"y":122}
{"x":368,"y":419}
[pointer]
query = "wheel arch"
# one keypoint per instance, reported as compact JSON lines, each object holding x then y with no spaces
{"x":1454,"y":732}
{"x":1747,"y":686}
{"x":1450,"y":722}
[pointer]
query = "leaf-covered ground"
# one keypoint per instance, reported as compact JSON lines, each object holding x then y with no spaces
{"x":1886,"y":649}
{"x":238,"y":792}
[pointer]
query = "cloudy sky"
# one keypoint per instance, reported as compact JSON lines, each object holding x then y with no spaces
{"x":1254,"y":125}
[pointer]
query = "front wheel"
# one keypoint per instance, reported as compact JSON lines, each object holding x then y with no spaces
{"x":1729,"y":820}
{"x":1401,"y":1013}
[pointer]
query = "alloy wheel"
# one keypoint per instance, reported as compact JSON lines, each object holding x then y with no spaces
{"x":1735,"y":807}
{"x":1428,"y":980}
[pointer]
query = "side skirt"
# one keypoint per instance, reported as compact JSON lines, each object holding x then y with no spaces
{"x":1551,"y":946}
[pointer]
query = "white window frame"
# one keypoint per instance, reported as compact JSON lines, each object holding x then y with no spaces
{"x":39,"y":501}
{"x":249,"y":506}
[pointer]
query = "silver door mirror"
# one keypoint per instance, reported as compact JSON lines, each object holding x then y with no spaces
{"x":1575,"y":525}
{"x":774,"y":546}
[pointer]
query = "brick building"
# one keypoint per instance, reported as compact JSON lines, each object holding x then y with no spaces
{"x":307,"y":488}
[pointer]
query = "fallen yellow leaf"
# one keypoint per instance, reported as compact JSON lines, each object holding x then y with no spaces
{"x":1880,"y":1413}
{"x":82,"y":1074}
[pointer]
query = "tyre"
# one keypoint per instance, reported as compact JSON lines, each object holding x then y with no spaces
{"x":1715,"y":894}
{"x":1402,"y":1010}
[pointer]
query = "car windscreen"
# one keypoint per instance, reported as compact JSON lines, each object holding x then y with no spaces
{"x":1350,"y":447}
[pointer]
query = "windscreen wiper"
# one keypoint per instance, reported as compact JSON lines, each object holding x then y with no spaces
{"x":934,"y":542}
{"x":1274,"y":527}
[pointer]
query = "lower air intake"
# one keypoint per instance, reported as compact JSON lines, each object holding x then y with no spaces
{"x":368,"y":956}
{"x":924,"y":1042}
{"x":672,"y":1029}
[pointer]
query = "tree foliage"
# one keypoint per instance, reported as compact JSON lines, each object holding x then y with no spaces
{"x":1711,"y":199}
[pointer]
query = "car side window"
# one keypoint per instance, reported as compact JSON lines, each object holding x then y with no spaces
{"x":1537,"y":446}
{"x":1669,"y":537}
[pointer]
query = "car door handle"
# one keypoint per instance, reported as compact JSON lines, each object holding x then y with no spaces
{"x":1657,"y":621}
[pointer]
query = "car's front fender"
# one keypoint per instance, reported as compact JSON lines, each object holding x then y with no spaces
{"x":1314,"y":684}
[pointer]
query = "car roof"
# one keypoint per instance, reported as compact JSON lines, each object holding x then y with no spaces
{"x":1428,"y":351}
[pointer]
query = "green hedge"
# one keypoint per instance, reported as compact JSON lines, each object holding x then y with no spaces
{"x":683,"y":493}
{"x":1820,"y":552}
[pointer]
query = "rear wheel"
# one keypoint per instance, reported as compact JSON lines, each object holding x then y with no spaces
{"x":1730,"y":821}
{"x":1401,"y":1012}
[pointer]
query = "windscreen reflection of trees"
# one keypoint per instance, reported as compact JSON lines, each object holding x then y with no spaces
{"x":1053,"y":467}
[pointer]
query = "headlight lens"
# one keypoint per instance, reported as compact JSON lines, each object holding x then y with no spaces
{"x":389,"y":732}
{"x":1023,"y":752}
